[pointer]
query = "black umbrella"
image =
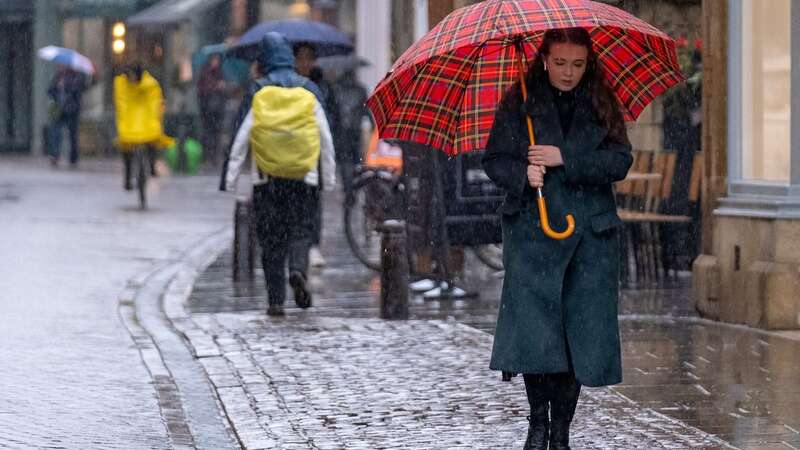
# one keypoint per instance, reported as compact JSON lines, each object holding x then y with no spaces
{"x":326,"y":40}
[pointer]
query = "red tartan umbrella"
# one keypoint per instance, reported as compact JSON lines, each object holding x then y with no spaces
{"x":443,"y":91}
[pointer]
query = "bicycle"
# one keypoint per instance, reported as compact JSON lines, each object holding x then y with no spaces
{"x":141,"y":166}
{"x":378,"y":196}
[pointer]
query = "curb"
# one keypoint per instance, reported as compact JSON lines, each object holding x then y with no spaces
{"x":168,"y":286}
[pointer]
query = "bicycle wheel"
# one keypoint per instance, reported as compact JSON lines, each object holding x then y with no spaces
{"x":141,"y":177}
{"x":491,"y":255}
{"x":372,"y":202}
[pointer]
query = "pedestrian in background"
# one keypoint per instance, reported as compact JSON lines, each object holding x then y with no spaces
{"x":306,"y":58}
{"x":351,"y":97}
{"x":288,"y":133}
{"x":139,"y":112}
{"x":557,"y":323}
{"x":66,"y":90}
{"x":212,"y":97}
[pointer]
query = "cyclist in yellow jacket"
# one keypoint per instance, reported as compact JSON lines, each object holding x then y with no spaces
{"x":139,"y":107}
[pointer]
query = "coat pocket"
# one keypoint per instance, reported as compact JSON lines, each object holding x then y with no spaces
{"x":605,"y":221}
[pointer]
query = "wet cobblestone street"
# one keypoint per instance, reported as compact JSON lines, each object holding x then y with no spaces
{"x":332,"y":383}
{"x":124,"y":329}
{"x":331,"y":376}
{"x":71,"y":241}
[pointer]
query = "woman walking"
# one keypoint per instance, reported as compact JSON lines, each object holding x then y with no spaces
{"x":557,"y":323}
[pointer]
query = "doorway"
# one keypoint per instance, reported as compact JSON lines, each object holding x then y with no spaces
{"x":16,"y":76}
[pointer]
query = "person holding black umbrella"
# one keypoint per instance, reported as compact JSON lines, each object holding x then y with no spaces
{"x":557,"y":323}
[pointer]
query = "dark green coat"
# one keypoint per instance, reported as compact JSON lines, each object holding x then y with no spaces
{"x":559,"y":301}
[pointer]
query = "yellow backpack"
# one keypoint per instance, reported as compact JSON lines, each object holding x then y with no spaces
{"x":285,"y":135}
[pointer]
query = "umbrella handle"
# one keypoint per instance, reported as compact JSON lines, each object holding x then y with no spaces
{"x":545,"y":221}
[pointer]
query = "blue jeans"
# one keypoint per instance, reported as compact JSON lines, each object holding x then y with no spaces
{"x":70,"y":121}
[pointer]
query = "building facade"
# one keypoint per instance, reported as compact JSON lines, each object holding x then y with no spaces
{"x":750,"y":270}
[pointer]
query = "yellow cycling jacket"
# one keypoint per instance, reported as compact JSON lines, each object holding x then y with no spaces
{"x":139,"y":110}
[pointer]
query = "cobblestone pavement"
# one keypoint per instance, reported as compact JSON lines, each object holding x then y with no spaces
{"x":332,"y":383}
{"x":70,"y":240}
{"x":738,"y":384}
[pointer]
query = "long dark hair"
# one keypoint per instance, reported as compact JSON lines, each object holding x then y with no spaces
{"x":605,"y":103}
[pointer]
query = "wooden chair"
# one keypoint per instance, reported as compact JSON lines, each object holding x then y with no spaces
{"x":641,"y":213}
{"x":631,"y":196}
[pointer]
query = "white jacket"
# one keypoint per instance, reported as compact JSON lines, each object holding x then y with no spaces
{"x":241,"y":145}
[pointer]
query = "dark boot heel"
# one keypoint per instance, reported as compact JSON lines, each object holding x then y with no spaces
{"x":559,"y":432}
{"x":538,"y":429}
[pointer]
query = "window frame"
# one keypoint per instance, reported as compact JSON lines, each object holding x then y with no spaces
{"x":753,"y":197}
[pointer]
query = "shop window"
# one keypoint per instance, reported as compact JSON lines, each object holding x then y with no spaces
{"x":766,"y":89}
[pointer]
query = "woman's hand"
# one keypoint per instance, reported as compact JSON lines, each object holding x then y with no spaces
{"x":545,"y":155}
{"x":536,"y":175}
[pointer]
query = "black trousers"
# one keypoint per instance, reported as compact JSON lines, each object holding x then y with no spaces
{"x":70,"y":122}
{"x":285,"y":212}
{"x":561,"y":390}
{"x":212,"y":122}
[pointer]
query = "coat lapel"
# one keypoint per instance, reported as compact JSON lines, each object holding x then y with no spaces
{"x":586,"y":131}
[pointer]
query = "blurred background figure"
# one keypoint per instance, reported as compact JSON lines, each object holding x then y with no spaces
{"x":139,"y":111}
{"x":212,"y":96}
{"x":351,"y":96}
{"x":306,"y":65}
{"x":681,"y":135}
{"x":66,"y":90}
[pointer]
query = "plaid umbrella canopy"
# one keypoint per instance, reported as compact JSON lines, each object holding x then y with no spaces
{"x":444,"y":89}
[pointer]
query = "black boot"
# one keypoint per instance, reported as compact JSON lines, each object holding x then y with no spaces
{"x":565,"y":390}
{"x":302,"y":296}
{"x":539,"y":423}
{"x":275,"y":310}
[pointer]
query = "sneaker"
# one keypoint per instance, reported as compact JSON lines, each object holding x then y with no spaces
{"x":445,"y":291}
{"x":315,"y":258}
{"x":422,"y":285}
{"x":302,"y":296}
{"x":275,"y":310}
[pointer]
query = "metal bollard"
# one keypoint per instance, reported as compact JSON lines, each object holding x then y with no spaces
{"x":244,"y":240}
{"x":394,"y":270}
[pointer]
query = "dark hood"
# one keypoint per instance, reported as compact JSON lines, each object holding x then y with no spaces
{"x":276,"y":53}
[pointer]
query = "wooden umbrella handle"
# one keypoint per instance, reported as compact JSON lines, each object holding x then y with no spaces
{"x":549,"y":232}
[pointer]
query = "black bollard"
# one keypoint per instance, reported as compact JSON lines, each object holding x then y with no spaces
{"x":394,"y":270}
{"x":244,"y":240}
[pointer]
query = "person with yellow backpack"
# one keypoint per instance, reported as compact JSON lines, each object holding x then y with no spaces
{"x":288,"y":134}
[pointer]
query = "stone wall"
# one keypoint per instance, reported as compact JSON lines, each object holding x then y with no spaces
{"x":753,"y":278}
